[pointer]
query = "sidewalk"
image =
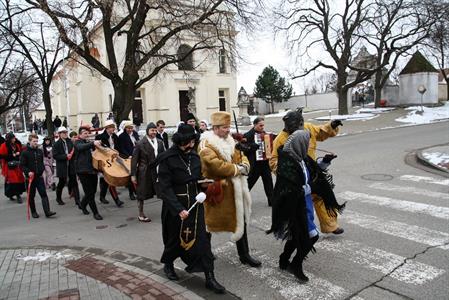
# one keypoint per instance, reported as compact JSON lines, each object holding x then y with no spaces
{"x":90,"y":273}
{"x":437,"y":157}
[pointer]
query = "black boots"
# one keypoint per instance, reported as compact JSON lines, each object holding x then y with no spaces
{"x":103,"y":200}
{"x":298,"y":260}
{"x":243,"y":251}
{"x":59,"y":201}
{"x":34,"y":214}
{"x":212,"y":284}
{"x":118,"y":202}
{"x":169,"y":271}
{"x":46,"y":206}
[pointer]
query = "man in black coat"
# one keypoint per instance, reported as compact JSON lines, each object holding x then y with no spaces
{"x":57,"y":122}
{"x":65,"y":167}
{"x":32,"y":163}
{"x":161,"y":134}
{"x":259,"y":163}
{"x":86,"y":172}
{"x":127,"y":140}
{"x":143,"y":173}
{"x":184,"y":234}
{"x":108,"y":139}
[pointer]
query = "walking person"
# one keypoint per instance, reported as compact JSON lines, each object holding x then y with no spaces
{"x":57,"y":123}
{"x":108,"y":139}
{"x":86,"y":172}
{"x":48,"y":163}
{"x":292,"y":217}
{"x":32,"y":163}
{"x":161,"y":134}
{"x":223,"y":162}
{"x":258,"y":159}
{"x":143,"y":173}
{"x":95,"y":121}
{"x":294,"y":120}
{"x":63,"y":151}
{"x":184,"y":233}
{"x":127,"y":141}
{"x":10,"y":156}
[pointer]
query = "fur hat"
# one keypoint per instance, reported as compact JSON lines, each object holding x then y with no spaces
{"x":220,"y":118}
{"x":109,"y":123}
{"x":189,"y":116}
{"x":185,"y":134}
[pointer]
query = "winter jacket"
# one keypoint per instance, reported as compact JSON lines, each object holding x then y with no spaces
{"x":83,"y":157}
{"x":32,"y":160}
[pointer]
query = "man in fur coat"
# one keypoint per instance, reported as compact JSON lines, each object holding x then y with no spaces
{"x":230,"y":209}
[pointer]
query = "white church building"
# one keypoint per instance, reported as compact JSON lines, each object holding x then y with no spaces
{"x":204,"y":83}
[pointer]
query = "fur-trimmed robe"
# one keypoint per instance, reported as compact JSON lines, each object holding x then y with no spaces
{"x":219,"y":160}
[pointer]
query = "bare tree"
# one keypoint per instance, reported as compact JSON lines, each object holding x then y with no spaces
{"x":325,"y":83}
{"x":37,"y":43}
{"x":438,"y":40}
{"x":334,"y":28}
{"x":15,"y":75}
{"x":395,"y":27}
{"x":153,"y":35}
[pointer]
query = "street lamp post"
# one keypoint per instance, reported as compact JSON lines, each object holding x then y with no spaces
{"x":422,"y":89}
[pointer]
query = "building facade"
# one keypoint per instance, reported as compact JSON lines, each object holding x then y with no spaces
{"x":202,"y":84}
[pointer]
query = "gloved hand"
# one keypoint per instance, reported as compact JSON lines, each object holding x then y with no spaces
{"x":243,"y":146}
{"x":328,"y":158}
{"x":243,"y":169}
{"x":336,"y":123}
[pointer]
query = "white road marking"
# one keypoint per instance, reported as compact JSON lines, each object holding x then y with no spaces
{"x":406,"y":231}
{"x":376,"y":259}
{"x":425,"y":179}
{"x":414,"y":207}
{"x":282,"y":281}
{"x":417,"y":191}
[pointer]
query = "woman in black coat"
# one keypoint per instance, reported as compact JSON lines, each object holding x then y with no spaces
{"x":184,"y":234}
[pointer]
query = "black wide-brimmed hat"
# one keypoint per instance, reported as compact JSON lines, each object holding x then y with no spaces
{"x":185,"y":134}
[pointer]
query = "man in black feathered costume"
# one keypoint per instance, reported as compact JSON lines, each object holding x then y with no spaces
{"x":298,"y":176}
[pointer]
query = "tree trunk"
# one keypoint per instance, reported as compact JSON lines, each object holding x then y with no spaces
{"x":447,"y":89}
{"x":272,"y":106}
{"x":123,"y":101}
{"x":48,"y":110}
{"x":377,"y":88}
{"x":342,"y":92}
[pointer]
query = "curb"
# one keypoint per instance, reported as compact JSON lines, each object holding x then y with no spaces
{"x":424,"y":161}
{"x":189,"y":286}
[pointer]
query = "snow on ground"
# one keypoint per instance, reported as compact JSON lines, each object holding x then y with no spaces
{"x":353,"y":117}
{"x":429,"y":114}
{"x":23,"y":137}
{"x":43,"y":256}
{"x":379,"y":110}
{"x":437,"y":158}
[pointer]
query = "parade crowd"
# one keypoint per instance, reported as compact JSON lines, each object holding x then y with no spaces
{"x":204,"y":179}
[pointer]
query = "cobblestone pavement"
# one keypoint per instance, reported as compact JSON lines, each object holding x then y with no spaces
{"x":49,"y":273}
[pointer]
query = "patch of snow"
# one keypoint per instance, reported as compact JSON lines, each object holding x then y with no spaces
{"x":43,"y":256}
{"x":428,"y":115}
{"x":437,"y":158}
{"x":379,"y":110}
{"x":278,"y":115}
{"x":353,"y":117}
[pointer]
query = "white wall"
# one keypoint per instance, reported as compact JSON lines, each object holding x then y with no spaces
{"x":408,"y":88}
{"x":442,"y":91}
{"x":391,"y":94}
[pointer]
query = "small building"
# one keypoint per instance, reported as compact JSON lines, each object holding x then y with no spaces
{"x":418,"y":72}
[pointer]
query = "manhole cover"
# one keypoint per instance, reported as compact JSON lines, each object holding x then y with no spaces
{"x":102,"y":226}
{"x":377,"y":177}
{"x":121,"y":225}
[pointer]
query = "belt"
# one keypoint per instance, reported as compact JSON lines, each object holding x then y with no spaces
{"x":185,"y":189}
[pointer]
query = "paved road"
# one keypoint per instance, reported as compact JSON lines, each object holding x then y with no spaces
{"x":396,"y":243}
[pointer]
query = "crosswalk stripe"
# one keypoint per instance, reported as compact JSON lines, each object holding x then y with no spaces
{"x":282,"y":281}
{"x":376,"y":259}
{"x":409,"y":206}
{"x":406,"y":231}
{"x":425,"y":179}
{"x":417,"y":191}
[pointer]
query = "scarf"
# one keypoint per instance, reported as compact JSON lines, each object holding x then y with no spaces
{"x":297,"y":144}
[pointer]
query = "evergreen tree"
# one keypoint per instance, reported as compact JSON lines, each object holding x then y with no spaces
{"x":271,"y":87}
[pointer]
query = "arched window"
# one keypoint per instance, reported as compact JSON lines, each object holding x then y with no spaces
{"x":222,"y":61}
{"x":185,"y":58}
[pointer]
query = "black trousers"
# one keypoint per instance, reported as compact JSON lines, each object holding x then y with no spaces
{"x":89,"y":183}
{"x":39,"y":185}
{"x":258,"y":169}
{"x":72,"y":186}
{"x":104,"y":187}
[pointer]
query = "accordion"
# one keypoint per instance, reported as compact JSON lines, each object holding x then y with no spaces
{"x":265,"y":142}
